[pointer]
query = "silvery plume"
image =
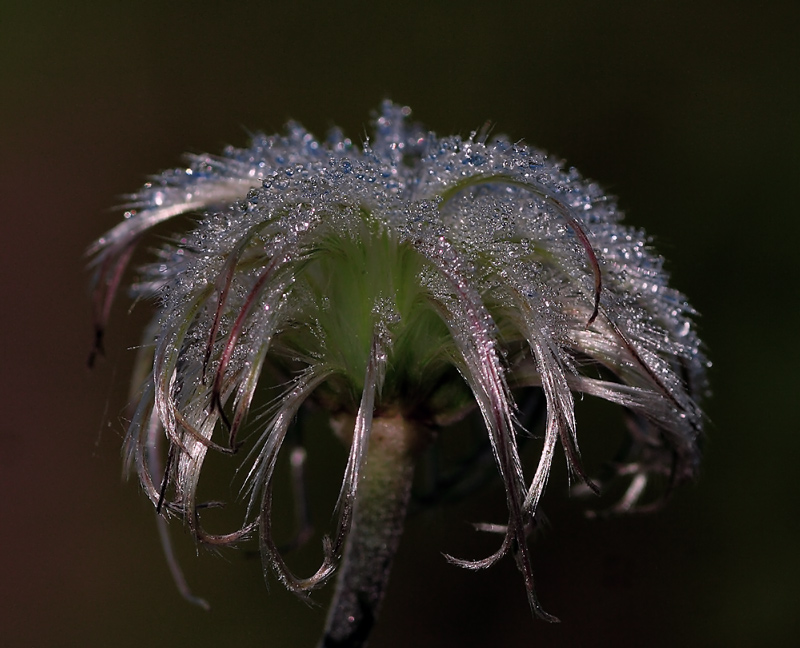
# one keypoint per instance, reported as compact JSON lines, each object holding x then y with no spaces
{"x":399,"y":286}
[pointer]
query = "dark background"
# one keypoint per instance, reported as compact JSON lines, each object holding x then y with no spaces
{"x":688,"y":111}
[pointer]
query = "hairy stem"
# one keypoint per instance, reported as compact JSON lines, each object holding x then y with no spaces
{"x":379,"y":512}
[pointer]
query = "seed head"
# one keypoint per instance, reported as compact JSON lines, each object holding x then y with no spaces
{"x":414,"y":276}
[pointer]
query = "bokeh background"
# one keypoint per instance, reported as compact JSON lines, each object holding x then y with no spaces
{"x":688,"y":111}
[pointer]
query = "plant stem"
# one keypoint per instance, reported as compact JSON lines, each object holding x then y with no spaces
{"x":378,"y":515}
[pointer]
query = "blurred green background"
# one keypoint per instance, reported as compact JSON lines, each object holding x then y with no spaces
{"x":688,"y":111}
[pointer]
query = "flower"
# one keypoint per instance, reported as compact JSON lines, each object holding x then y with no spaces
{"x":399,"y":286}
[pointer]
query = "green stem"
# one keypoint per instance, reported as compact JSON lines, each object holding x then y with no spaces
{"x":378,"y":515}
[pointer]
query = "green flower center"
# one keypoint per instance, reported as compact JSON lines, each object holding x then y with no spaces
{"x":360,"y":281}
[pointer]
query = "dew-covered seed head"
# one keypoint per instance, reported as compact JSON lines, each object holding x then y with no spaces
{"x":416,"y":275}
